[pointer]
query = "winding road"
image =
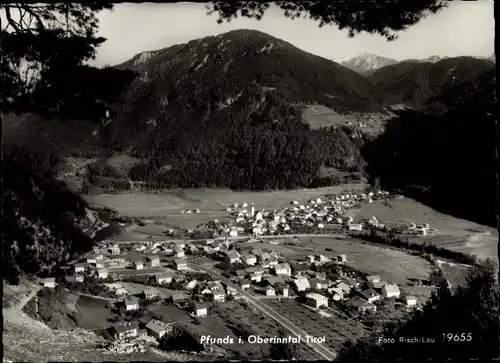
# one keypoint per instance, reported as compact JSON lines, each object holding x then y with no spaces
{"x":319,"y":349}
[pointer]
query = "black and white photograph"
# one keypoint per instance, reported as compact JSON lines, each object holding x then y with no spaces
{"x":249,"y":181}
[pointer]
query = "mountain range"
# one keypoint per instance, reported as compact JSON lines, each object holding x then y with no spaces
{"x":367,"y":63}
{"x":228,"y":111}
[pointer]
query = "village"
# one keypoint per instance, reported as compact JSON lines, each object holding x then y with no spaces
{"x":159,"y":283}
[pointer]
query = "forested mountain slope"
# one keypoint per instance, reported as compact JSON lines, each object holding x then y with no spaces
{"x":448,"y":161}
{"x":42,"y":222}
{"x":414,"y":82}
{"x":226,"y":111}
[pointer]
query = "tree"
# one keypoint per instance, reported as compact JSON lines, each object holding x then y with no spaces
{"x":180,"y":338}
{"x":374,"y":17}
{"x":474,"y":309}
{"x":44,"y":48}
{"x":284,"y":351}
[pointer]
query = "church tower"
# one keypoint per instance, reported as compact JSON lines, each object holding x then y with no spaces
{"x":252,"y":211}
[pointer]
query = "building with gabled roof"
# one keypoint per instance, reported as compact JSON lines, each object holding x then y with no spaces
{"x":391,"y":290}
{"x":157,"y":328}
{"x":370,"y":295}
{"x":128,"y":330}
{"x":317,"y":300}
{"x":301,"y":284}
{"x":361,"y":305}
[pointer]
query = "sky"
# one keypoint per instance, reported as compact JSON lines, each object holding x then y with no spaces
{"x":463,"y":28}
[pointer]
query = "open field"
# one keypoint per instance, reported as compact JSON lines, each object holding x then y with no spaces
{"x":455,"y":273}
{"x":92,"y":313}
{"x":277,"y":248}
{"x":336,"y":330}
{"x":234,"y":320}
{"x":169,"y":314}
{"x":460,"y":235}
{"x":390,"y":264}
{"x":165,"y":206}
{"x":422,"y":293}
{"x":136,"y":289}
{"x":318,"y":116}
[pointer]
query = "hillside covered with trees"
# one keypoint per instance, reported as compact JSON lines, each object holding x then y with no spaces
{"x":462,"y":325}
{"x":416,"y":83}
{"x":447,"y":161}
{"x":42,"y":221}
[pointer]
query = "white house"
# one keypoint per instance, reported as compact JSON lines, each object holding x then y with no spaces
{"x":344,"y":287}
{"x":355,"y":226}
{"x":180,"y":264}
{"x":79,"y":267}
{"x":270,"y":291}
{"x":337,"y":293}
{"x":317,"y":300}
{"x":283,"y":269}
{"x":154,"y":261}
{"x":200,"y":310}
{"x":232,"y":257}
{"x":127,"y":330}
{"x":391,"y":290}
{"x":99,"y":264}
{"x":218,"y":294}
{"x":245,"y":284}
{"x":91,"y":259}
{"x":318,"y":284}
{"x":102,"y":273}
{"x":139,"y":265}
{"x":157,"y":328}
{"x":163,"y":278}
{"x":256,"y":278}
{"x":411,"y":301}
{"x":150,"y":293}
{"x":114,"y":249}
{"x":49,"y":282}
{"x":249,"y":259}
{"x":179,"y":254}
{"x":302,"y":284}
{"x":131,"y":303}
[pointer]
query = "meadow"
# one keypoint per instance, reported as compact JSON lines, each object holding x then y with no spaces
{"x":390,"y":264}
{"x":164,"y":208}
{"x":453,"y":233}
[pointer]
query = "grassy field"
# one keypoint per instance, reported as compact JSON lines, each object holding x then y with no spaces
{"x":93,"y":313}
{"x":390,"y":264}
{"x":234,"y":320}
{"x":318,"y":116}
{"x":278,"y":248}
{"x":455,"y":273}
{"x":337,"y":330}
{"x":164,"y":207}
{"x":454,"y":233}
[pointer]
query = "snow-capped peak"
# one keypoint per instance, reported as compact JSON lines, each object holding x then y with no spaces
{"x":363,"y":62}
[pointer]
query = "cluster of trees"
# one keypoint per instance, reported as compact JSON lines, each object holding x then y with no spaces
{"x":272,"y":149}
{"x":424,"y":248}
{"x":446,"y":161}
{"x":91,"y":286}
{"x":181,"y":339}
{"x":420,"y":84}
{"x":463,"y":325}
{"x":40,"y":221}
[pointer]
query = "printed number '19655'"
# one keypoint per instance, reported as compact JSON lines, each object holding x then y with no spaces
{"x":463,"y":337}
